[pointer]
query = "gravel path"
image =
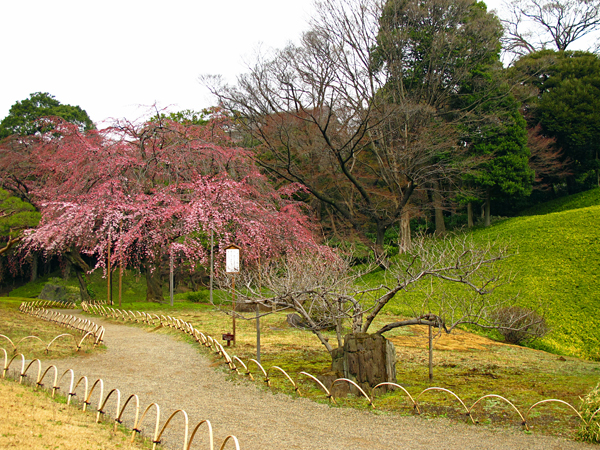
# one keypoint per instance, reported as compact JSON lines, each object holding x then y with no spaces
{"x":159,"y":368}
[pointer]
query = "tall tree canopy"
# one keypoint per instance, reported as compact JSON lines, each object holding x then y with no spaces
{"x":26,"y":117}
{"x":359,"y":112}
{"x":144,"y":192}
{"x":498,"y":144}
{"x":562,"y":94}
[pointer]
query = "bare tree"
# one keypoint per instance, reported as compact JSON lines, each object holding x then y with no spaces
{"x":533,"y":25}
{"x":340,"y":115}
{"x":326,"y":291}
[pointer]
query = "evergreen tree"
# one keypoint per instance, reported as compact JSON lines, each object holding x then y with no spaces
{"x":27,"y":116}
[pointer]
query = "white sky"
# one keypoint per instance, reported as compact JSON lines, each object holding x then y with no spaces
{"x":112,"y":57}
{"x":116,"y":58}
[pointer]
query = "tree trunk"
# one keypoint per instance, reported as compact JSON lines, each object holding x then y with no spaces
{"x":440,"y":226}
{"x":81,"y":270}
{"x":470,"y":215}
{"x":66,"y":269}
{"x":34,"y":267}
{"x":154,"y":292}
{"x":83,"y":291}
{"x":405,"y":237}
{"x":366,"y":359}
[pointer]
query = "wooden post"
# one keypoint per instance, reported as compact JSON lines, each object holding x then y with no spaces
{"x":430,"y":353}
{"x":120,"y":279}
{"x":232,"y":265}
{"x":171,"y":278}
{"x":109,"y":280}
{"x":120,"y":266}
{"x":212,"y":246}
{"x":258,"y":315}
{"x":233,"y":306}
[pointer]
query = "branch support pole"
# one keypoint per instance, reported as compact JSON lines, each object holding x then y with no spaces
{"x":430,"y":353}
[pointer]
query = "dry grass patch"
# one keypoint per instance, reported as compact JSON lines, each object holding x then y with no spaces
{"x":32,"y":420}
{"x":17,"y":326}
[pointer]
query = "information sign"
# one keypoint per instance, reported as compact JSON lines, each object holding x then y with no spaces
{"x":232,"y":259}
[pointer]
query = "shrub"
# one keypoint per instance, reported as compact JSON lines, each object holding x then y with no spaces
{"x":198,"y":296}
{"x":519,"y":325}
{"x":590,"y":431}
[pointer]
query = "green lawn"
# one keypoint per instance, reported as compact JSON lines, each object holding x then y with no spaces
{"x":557,"y":266}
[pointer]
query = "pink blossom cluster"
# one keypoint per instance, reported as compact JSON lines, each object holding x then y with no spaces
{"x":146,"y":191}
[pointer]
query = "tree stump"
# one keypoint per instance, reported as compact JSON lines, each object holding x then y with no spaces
{"x":366,"y":359}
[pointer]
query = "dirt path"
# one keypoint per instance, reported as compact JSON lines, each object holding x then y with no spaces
{"x":159,"y":368}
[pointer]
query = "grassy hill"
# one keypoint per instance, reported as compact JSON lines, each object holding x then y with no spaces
{"x":558,"y":267}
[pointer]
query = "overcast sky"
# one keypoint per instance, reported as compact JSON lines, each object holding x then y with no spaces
{"x":116,"y":58}
{"x":112,"y":57}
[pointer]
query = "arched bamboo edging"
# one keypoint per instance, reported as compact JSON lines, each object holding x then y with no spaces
{"x":232,"y":438}
{"x":357,"y":387}
{"x":554,"y":400}
{"x":11,"y":342}
{"x":54,"y":384}
{"x":29,"y":337}
{"x":24,"y":373}
{"x":186,"y":428}
{"x":89,"y":396}
{"x":246,"y":371}
{"x":119,"y":418}
{"x":70,"y":393}
{"x":215,"y":346}
{"x":448,"y":391}
{"x":56,"y":338}
{"x":266,"y":377}
{"x":102,"y":406}
{"x":329,"y":396}
{"x":89,"y":333}
{"x":7,"y":364}
{"x":210,"y":435}
{"x":85,"y":393}
{"x":387,"y":383}
{"x":137,"y":429}
{"x":286,"y":375}
{"x":523,"y":421}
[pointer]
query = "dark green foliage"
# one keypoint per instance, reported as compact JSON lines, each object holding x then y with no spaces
{"x":561,"y":90}
{"x":185,"y":117}
{"x":502,"y":144}
{"x":496,"y":141}
{"x":25,"y":117}
{"x":431,"y":47}
{"x":15,"y":215}
{"x":198,"y":296}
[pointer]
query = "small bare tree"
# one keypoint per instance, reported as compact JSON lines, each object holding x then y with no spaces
{"x":326,"y":291}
